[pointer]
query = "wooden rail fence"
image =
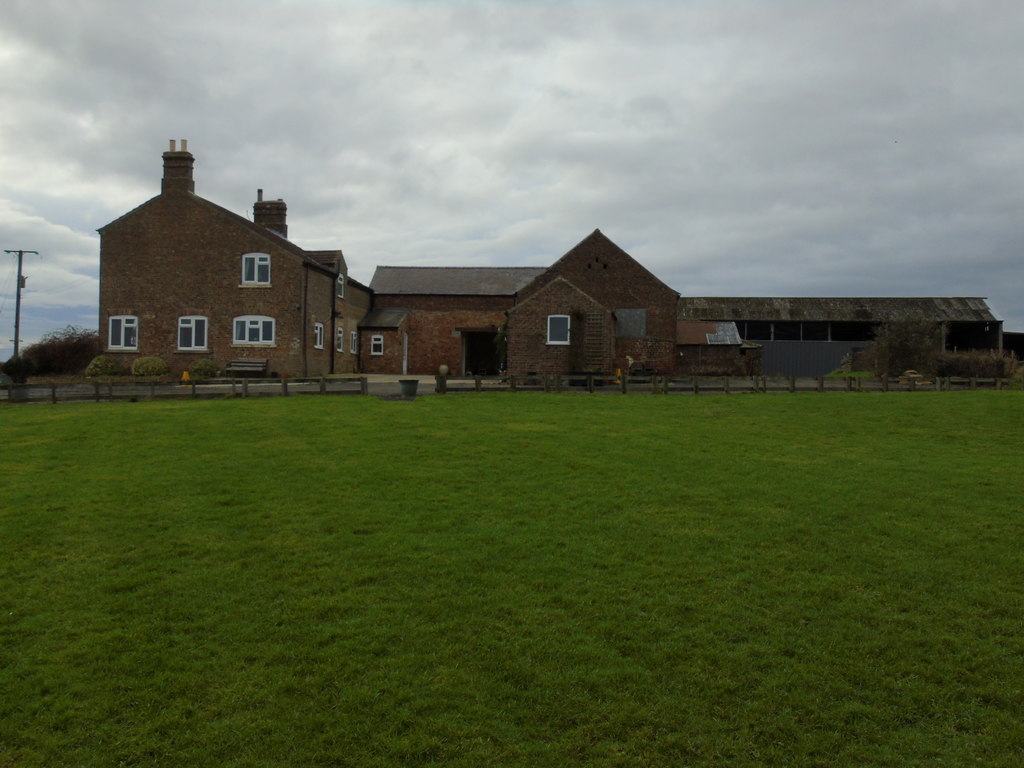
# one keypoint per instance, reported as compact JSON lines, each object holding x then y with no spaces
{"x":590,"y":383}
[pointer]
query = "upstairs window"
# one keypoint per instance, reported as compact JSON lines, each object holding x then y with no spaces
{"x":254,"y":329}
{"x":256,"y":269}
{"x":191,"y":332}
{"x":124,"y":332}
{"x":341,"y":286}
{"x":318,"y":335}
{"x":377,"y":344}
{"x":339,"y":339}
{"x":558,"y":329}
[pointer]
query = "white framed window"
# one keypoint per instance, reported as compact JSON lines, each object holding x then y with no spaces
{"x":256,"y":269}
{"x":192,"y":332}
{"x":254,"y":329}
{"x":339,"y":339}
{"x":318,"y":335}
{"x":376,"y":344}
{"x":124,"y":332}
{"x":341,"y":286}
{"x":558,"y":329}
{"x":353,"y":342}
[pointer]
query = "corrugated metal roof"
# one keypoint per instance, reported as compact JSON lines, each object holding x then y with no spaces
{"x":713,"y":333}
{"x":384,"y":318}
{"x":453,"y":281}
{"x":841,"y":309}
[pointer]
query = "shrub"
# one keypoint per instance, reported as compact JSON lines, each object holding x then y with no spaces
{"x":102,"y":365}
{"x":19,"y":368}
{"x":149,"y":366}
{"x":64,"y":352}
{"x":902,"y":346}
{"x":202,"y":369}
{"x":978,"y":363}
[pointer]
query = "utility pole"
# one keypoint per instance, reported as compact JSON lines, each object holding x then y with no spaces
{"x":17,"y":300}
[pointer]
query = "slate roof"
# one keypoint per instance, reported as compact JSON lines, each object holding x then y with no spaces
{"x":842,"y":309}
{"x":453,"y":281}
{"x":384,"y":318}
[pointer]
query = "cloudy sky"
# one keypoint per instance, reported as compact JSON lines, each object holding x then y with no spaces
{"x":734,"y":147}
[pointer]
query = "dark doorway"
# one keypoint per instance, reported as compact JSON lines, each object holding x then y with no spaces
{"x":479,"y":353}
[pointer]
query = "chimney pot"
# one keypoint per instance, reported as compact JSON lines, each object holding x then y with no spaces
{"x":259,"y":195}
{"x":184,"y":145}
{"x":173,"y":147}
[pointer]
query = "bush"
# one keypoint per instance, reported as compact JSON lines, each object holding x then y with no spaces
{"x":202,"y":369}
{"x":149,"y":366}
{"x":19,"y":368}
{"x":978,"y":363}
{"x":903,"y":346}
{"x":102,"y":365}
{"x":64,"y":352}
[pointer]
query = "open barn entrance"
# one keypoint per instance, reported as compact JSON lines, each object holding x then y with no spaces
{"x":480,"y":355}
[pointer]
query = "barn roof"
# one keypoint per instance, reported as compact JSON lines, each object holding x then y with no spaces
{"x":453,"y":281}
{"x":384,"y":318}
{"x":711,"y":333}
{"x":842,"y":309}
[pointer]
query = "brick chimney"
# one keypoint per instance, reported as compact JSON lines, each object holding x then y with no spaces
{"x":178,"y":169}
{"x":272,"y":214}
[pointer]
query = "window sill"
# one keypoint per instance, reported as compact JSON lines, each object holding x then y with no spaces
{"x":255,"y":285}
{"x":556,"y":343}
{"x":116,"y":350}
{"x":251,"y":344}
{"x":193,"y":351}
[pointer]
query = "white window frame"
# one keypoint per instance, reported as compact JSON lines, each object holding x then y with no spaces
{"x":568,"y":331}
{"x":260,"y":263}
{"x":341,"y":285}
{"x":261,"y":324}
{"x":339,"y":339}
{"x":127,"y":326}
{"x":353,"y":342}
{"x":377,"y":344}
{"x":191,"y":323}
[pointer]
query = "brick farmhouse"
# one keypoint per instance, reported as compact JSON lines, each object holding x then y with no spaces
{"x":182,"y":279}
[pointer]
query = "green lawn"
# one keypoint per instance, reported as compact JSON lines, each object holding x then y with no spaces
{"x":514,"y":580}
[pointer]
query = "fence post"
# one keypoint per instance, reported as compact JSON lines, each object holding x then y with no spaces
{"x":885,"y":382}
{"x":152,"y":390}
{"x":792,"y":383}
{"x":364,"y":385}
{"x":590,"y":383}
{"x":696,"y":384}
{"x":974,"y":382}
{"x":849,"y":383}
{"x":193,"y":390}
{"x":284,"y":387}
{"x":511,"y":382}
{"x":725,"y":385}
{"x":323,"y":386}
{"x":245,"y":387}
{"x":821,"y":383}
{"x":477,"y":383}
{"x":53,"y":393}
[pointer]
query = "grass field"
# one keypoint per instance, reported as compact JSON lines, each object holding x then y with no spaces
{"x":514,"y":580}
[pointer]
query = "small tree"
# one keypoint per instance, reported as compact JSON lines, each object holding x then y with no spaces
{"x":64,"y":352}
{"x":903,"y":345}
{"x":19,"y":368}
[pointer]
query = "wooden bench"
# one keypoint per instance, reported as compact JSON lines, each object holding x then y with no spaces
{"x":247,"y":365}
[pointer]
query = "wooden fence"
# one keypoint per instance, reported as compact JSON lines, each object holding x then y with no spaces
{"x":360,"y":385}
{"x":700,"y":385}
{"x":158,"y":390}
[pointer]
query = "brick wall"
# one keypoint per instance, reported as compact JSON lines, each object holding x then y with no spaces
{"x":601,"y":278}
{"x":180,"y":255}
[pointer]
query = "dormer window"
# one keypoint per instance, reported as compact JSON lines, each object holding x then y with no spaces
{"x":256,"y":269}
